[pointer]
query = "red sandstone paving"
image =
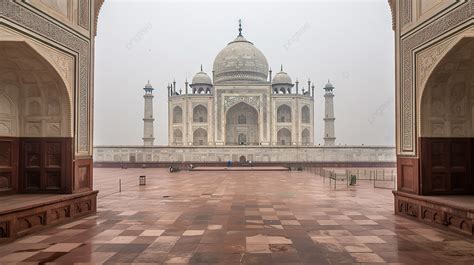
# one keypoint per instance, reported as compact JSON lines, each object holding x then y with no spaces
{"x":236,"y":217}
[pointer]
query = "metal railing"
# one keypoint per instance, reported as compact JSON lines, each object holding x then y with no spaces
{"x":383,"y":178}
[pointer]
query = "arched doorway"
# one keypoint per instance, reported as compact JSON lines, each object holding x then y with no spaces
{"x":446,"y":118}
{"x":35,"y":123}
{"x":242,"y":120}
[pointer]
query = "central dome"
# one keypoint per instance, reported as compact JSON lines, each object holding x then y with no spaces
{"x":240,"y":61}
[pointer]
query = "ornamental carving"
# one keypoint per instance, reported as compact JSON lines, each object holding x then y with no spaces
{"x":407,"y":208}
{"x":42,"y":26}
{"x":83,"y":20}
{"x":426,"y":61}
{"x":407,"y":90}
{"x":63,"y":64}
{"x":407,"y":13}
{"x":230,"y":101}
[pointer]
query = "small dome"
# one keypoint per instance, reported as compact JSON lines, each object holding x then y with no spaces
{"x":281,"y":78}
{"x":201,"y":78}
{"x":329,"y":86}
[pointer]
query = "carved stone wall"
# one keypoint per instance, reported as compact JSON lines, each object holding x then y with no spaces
{"x":15,"y":223}
{"x":46,"y":89}
{"x":52,"y":32}
{"x":435,"y":212}
{"x":446,"y":100}
{"x":35,"y":100}
{"x":411,"y":43}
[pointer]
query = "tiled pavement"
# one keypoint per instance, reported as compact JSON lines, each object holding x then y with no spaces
{"x":239,"y":218}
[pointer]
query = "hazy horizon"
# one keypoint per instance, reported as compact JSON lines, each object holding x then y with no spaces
{"x":349,"y":42}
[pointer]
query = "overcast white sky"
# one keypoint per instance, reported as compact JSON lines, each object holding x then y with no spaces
{"x":350,"y":42}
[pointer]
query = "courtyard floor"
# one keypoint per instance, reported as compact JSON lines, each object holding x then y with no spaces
{"x":238,"y":218}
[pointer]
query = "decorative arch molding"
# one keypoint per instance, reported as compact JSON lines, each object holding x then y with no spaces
{"x":426,"y":63}
{"x":409,"y":46}
{"x":197,"y":103}
{"x":61,"y":62}
{"x":58,"y":67}
{"x":278,"y":128}
{"x":203,"y":105}
{"x":39,"y":28}
{"x":230,"y":101}
{"x":282,"y":104}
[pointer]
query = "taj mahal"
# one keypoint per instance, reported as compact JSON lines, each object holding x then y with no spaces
{"x":242,"y":104}
{"x":241,"y":111}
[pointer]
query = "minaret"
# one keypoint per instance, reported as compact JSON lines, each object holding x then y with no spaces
{"x":329,"y":131}
{"x":148,"y":118}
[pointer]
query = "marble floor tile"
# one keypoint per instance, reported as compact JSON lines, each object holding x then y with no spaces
{"x":238,"y":218}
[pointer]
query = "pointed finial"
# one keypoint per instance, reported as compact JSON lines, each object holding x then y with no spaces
{"x":201,"y":67}
{"x":281,"y":67}
{"x":240,"y":27}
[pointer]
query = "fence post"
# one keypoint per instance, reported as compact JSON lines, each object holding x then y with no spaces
{"x":120,"y":185}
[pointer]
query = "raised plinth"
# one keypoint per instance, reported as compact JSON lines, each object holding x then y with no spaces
{"x":22,"y":214}
{"x":247,"y":168}
{"x":450,"y":212}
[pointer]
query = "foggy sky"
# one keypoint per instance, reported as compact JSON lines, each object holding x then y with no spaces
{"x":349,"y":42}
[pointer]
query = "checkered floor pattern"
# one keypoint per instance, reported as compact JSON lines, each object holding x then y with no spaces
{"x":238,"y":218}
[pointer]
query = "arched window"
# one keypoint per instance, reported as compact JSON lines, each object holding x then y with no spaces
{"x":200,"y":114}
{"x":177,"y":115}
{"x":284,"y":114}
{"x":305,"y":115}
